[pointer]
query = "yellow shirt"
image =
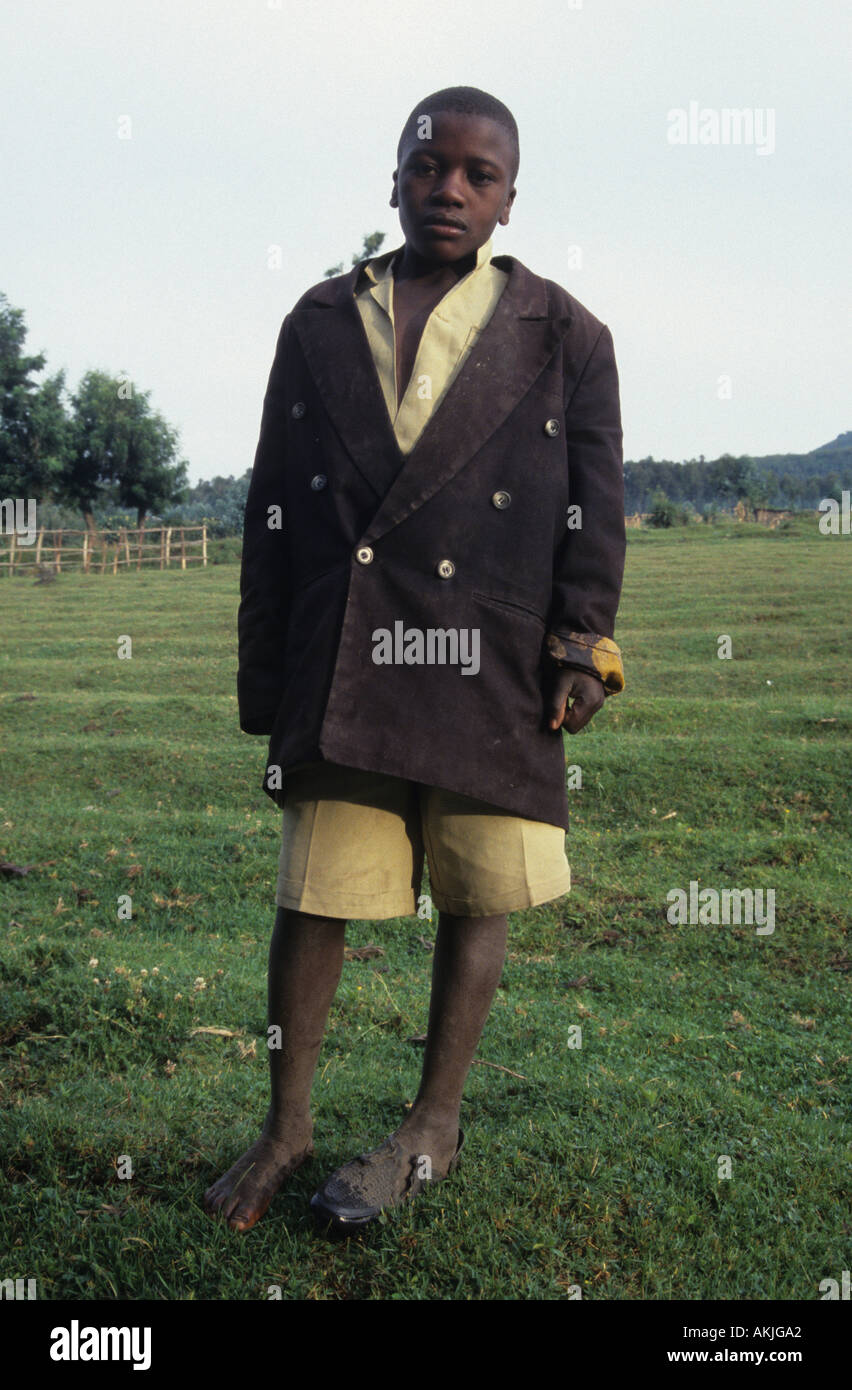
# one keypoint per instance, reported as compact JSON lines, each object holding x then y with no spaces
{"x":451,"y":331}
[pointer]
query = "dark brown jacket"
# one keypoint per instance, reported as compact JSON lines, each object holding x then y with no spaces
{"x":366,"y":534}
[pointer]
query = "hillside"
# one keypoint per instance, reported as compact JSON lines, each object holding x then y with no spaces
{"x":798,"y":481}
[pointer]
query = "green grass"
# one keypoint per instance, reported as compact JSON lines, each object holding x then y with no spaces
{"x":596,"y":1166}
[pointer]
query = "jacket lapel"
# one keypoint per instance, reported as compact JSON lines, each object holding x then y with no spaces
{"x":339,"y":359}
{"x":512,"y":350}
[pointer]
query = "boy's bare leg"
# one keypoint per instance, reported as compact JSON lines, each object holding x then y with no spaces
{"x":305,"y":964}
{"x":468,"y":963}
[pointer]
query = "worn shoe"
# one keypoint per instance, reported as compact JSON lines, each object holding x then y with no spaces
{"x":358,"y":1192}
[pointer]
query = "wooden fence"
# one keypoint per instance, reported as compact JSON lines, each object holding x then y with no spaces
{"x":103,"y":552}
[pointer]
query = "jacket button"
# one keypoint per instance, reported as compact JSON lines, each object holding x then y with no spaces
{"x":319,"y":482}
{"x":299,"y":410}
{"x":445,"y":569}
{"x":364,"y":555}
{"x":501,"y":500}
{"x":551,"y":428}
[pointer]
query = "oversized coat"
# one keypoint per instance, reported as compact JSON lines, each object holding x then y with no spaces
{"x":345,"y":538}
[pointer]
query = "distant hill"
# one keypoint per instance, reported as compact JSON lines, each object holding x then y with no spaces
{"x":797,"y":481}
{"x":843,"y":441}
{"x":835,"y":455}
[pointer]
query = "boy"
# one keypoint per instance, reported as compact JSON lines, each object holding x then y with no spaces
{"x":432,"y":562}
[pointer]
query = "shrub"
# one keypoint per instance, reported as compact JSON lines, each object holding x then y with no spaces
{"x":664,"y":512}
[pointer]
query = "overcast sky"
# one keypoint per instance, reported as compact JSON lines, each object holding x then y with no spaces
{"x":255,"y":123}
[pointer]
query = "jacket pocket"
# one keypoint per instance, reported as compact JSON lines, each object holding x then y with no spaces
{"x":521,"y":610}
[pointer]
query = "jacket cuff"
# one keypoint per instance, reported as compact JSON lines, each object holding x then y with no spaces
{"x":589,"y":652}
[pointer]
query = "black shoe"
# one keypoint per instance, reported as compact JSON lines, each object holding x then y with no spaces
{"x":358,"y":1192}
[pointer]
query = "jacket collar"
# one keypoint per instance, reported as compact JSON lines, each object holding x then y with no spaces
{"x":511,"y":351}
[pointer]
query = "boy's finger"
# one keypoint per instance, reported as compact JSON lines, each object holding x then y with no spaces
{"x":574,"y":718}
{"x":555,"y":712}
{"x":580,"y":713}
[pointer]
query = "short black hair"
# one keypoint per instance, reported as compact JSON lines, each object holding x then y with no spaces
{"x":467,"y":101}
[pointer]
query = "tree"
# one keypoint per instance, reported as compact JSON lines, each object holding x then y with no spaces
{"x":729,"y":477}
{"x":153,"y":477}
{"x":121,"y":450}
{"x":372,"y":243}
{"x":33,"y":421}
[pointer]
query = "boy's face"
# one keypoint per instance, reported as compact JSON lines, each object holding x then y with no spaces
{"x":453,"y":189}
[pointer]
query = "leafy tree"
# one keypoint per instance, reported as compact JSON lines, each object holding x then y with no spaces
{"x":122,"y":451}
{"x":33,"y":422}
{"x":730,"y":476}
{"x":220,"y":502}
{"x":372,"y":243}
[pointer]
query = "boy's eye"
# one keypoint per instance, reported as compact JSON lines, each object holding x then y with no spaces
{"x":477,"y":175}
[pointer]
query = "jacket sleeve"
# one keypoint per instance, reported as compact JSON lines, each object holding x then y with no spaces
{"x":589,"y":563}
{"x":264,"y":572}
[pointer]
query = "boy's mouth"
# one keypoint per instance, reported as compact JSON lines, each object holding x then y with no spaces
{"x":443,"y":225}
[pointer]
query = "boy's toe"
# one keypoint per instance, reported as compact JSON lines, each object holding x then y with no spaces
{"x":213,"y":1197}
{"x":242,"y":1219}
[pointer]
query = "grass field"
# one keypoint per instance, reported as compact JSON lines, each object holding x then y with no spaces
{"x":597,"y":1167}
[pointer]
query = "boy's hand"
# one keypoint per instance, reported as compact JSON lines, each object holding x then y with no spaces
{"x":586,"y":691}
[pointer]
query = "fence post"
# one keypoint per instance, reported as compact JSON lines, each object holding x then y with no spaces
{"x":204,"y":544}
{"x":182,"y":550}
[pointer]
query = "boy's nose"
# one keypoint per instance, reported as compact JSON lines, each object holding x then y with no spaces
{"x":448,"y":192}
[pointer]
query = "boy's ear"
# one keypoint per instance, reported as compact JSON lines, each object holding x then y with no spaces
{"x":394,"y":201}
{"x":503,"y":219}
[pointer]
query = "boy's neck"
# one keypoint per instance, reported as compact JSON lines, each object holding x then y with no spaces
{"x":412,"y":266}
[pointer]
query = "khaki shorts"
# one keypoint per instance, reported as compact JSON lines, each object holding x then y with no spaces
{"x":353,"y":846}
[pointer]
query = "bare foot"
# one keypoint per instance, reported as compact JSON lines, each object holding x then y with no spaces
{"x":243,"y":1194}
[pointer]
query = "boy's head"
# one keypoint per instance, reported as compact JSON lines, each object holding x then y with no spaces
{"x":457,"y":160}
